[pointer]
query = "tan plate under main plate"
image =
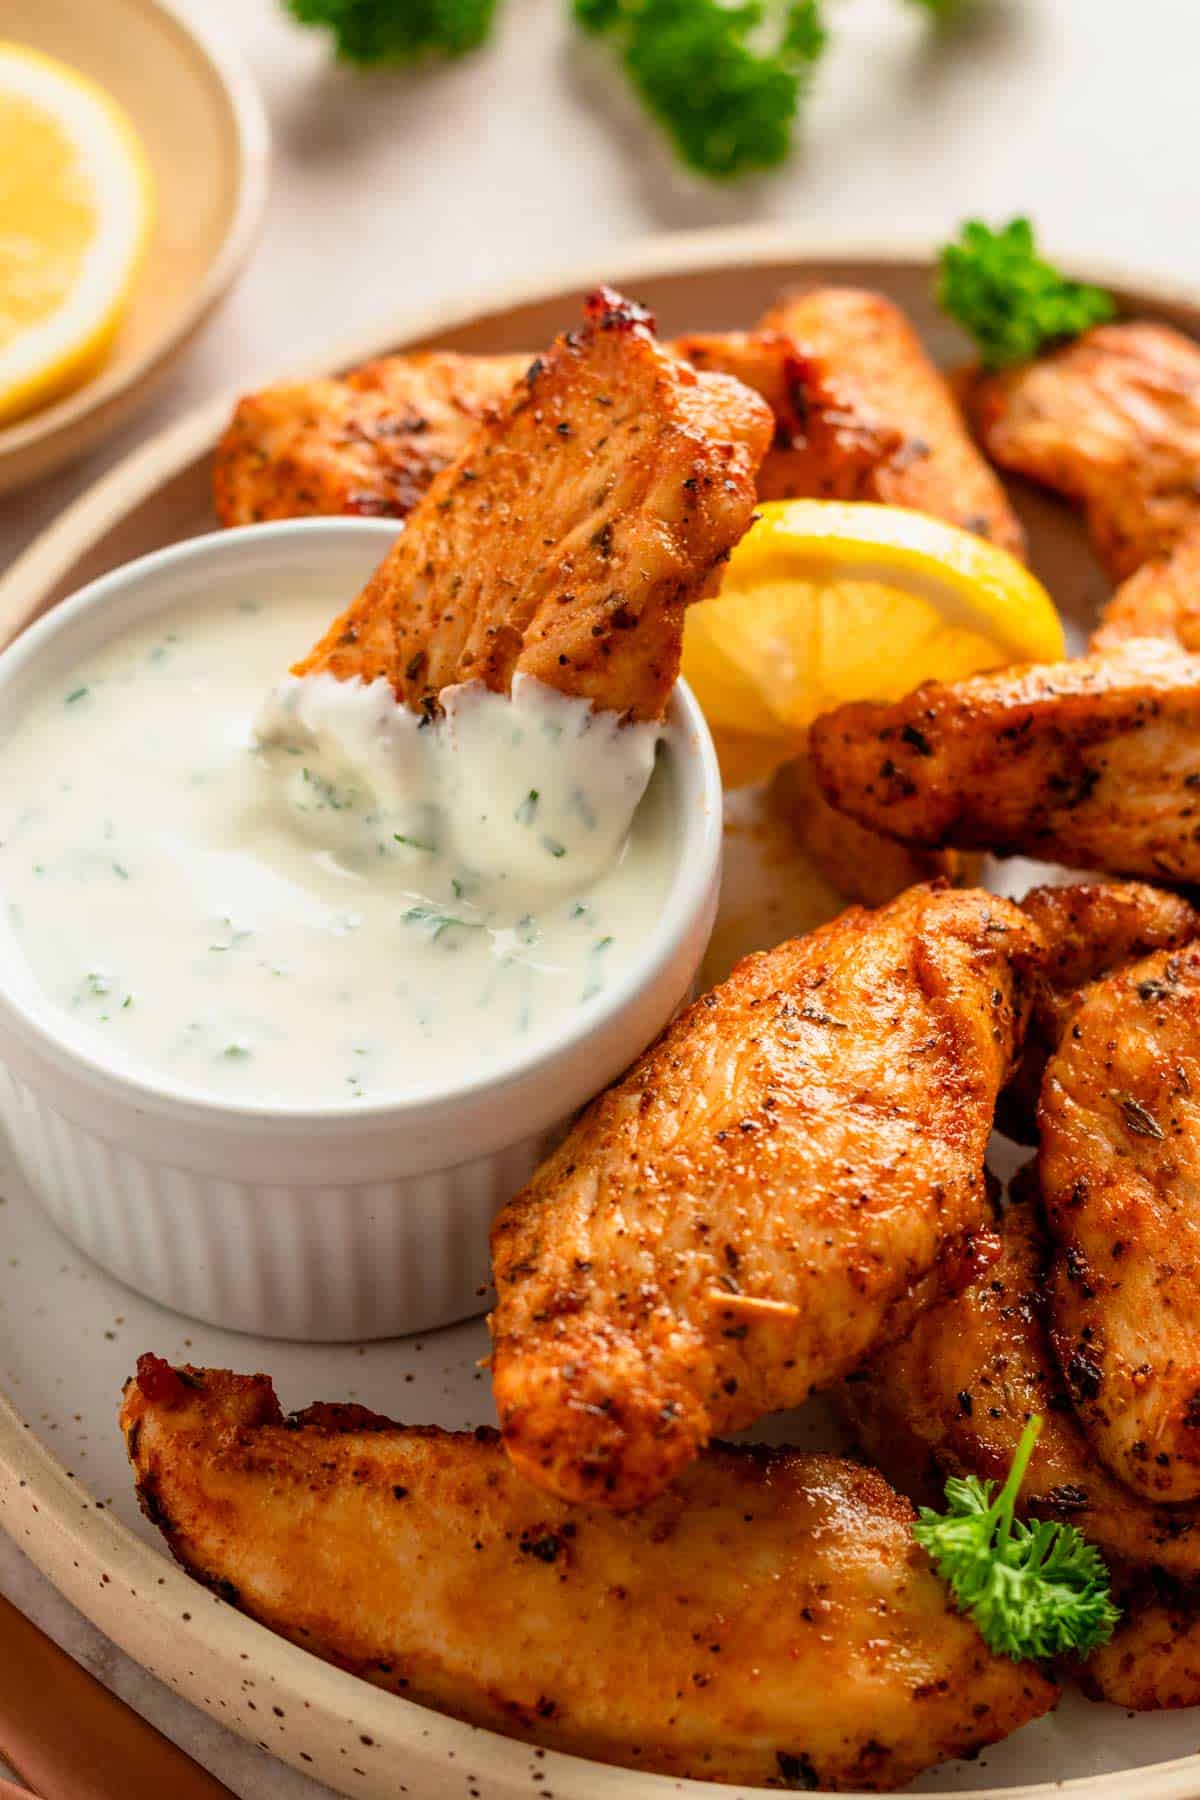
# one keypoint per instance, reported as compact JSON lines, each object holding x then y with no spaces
{"x":205,"y":133}
{"x":69,"y":1335}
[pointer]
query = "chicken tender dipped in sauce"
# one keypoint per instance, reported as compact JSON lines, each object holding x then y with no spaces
{"x":570,"y":535}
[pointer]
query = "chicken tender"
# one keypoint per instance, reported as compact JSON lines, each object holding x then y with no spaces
{"x":572,"y":532}
{"x":370,"y":442}
{"x":1120,"y":1149}
{"x":954,"y":1399}
{"x":860,"y":864}
{"x":863,"y":354}
{"x":1090,"y":928}
{"x":1094,"y":762}
{"x":673,"y":1640}
{"x":1162,"y":600}
{"x":775,"y":1189}
{"x":1152,"y":1661}
{"x":828,"y":444}
{"x":1111,"y":421}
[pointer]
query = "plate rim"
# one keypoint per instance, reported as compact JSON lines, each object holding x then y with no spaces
{"x":86,"y":1551}
{"x":252,"y":134}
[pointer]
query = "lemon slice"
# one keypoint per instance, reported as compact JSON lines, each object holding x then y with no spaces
{"x":75,"y":209}
{"x":824,"y":602}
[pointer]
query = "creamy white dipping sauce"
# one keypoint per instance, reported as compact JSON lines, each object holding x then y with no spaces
{"x":318,"y":900}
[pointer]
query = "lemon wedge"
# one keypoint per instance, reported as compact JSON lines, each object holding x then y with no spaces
{"x":75,"y":211}
{"x":825,"y":601}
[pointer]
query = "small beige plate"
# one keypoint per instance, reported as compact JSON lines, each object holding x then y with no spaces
{"x":69,"y":1334}
{"x":203,"y":126}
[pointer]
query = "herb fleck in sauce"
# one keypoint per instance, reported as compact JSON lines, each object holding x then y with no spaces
{"x":320,"y":904}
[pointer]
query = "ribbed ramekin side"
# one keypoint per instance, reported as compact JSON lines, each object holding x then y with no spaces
{"x":328,"y":1263}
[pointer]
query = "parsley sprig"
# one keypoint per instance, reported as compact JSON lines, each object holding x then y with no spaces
{"x":1009,"y":298}
{"x":723,"y":78}
{"x":1034,"y":1590}
{"x":398,"y":31}
{"x":724,"y":82}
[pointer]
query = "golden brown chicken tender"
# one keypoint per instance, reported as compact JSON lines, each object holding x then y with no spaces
{"x":1162,"y":600}
{"x":1152,"y":1661}
{"x":954,"y":1399}
{"x":769,"y":1621}
{"x":828,"y":443}
{"x":901,"y":426}
{"x":775,"y":1189}
{"x":1112,"y":421}
{"x":1090,"y":928}
{"x":369,"y":442}
{"x":862,"y":866}
{"x":1094,"y":762}
{"x":1120,"y":1149}
{"x":571,"y":534}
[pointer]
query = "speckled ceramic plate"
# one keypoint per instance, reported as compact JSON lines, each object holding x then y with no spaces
{"x":69,"y":1335}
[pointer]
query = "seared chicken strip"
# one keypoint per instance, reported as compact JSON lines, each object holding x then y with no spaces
{"x":830,"y":443}
{"x":572,"y":532}
{"x":1152,"y":1661}
{"x":1120,"y":1148}
{"x":775,"y":1189}
{"x":1112,"y":421}
{"x":860,"y":864}
{"x":865,"y":357}
{"x":676,"y":1639}
{"x":1094,"y":762}
{"x":1162,"y":600}
{"x":827,"y":445}
{"x":370,"y":442}
{"x":1091,"y":928}
{"x":956,"y":1395}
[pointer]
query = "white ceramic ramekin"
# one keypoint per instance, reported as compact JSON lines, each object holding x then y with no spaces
{"x":350,"y":1221}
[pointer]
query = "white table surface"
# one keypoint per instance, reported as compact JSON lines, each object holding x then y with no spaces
{"x":392,"y":190}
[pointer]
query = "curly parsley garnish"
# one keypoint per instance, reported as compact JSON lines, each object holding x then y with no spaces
{"x":723,"y":82}
{"x":1033,"y":1590}
{"x":398,"y":31}
{"x":1009,"y":299}
{"x":724,"y":79}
